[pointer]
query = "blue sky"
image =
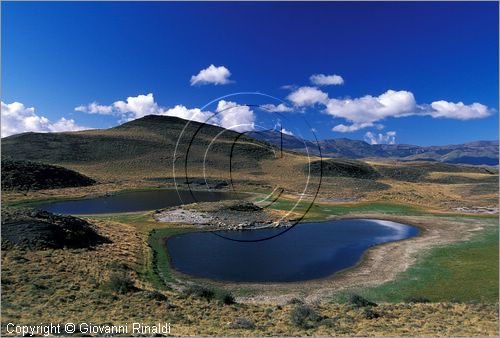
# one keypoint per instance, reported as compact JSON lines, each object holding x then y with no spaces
{"x":405,"y":67}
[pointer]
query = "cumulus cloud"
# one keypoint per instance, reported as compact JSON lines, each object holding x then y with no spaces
{"x":16,"y":118}
{"x":458,"y":110}
{"x":95,"y":108}
{"x":366,"y":111}
{"x":326,"y":80}
{"x":387,"y":138}
{"x":230,"y":114}
{"x":280,"y":108}
{"x":307,"y":96}
{"x":135,"y":107}
{"x":193,"y":114}
{"x":342,"y":128}
{"x":235,"y":117}
{"x":138,"y":106}
{"x":212,"y":75}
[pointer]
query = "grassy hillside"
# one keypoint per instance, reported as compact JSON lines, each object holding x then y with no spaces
{"x":141,"y":153}
{"x":144,"y":147}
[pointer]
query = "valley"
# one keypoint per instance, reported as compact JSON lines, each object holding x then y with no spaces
{"x":130,"y":275}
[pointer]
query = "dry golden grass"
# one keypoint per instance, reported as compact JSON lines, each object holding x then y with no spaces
{"x":68,"y":286}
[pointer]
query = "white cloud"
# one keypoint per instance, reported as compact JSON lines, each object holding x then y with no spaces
{"x":133,"y":108}
{"x":231,"y":115}
{"x":141,"y":105}
{"x":212,"y":75}
{"x":458,"y":110}
{"x":308,"y":96}
{"x":16,"y":118}
{"x":342,"y":128}
{"x":279,"y":127}
{"x":326,"y":80}
{"x":95,"y":108}
{"x":366,"y":111}
{"x":235,"y":117}
{"x":193,"y":114}
{"x":289,"y":87}
{"x":137,"y":107}
{"x":387,"y":138}
{"x":280,"y":108}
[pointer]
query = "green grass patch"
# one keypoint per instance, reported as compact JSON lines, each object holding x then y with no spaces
{"x":322,"y":211}
{"x":463,"y":272}
{"x":159,"y":271}
{"x":129,"y":218}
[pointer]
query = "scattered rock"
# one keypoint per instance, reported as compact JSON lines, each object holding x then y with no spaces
{"x":477,"y":210}
{"x":227,"y":215}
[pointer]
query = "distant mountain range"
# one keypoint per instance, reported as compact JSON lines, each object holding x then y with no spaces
{"x":472,"y":153}
{"x":148,"y":144}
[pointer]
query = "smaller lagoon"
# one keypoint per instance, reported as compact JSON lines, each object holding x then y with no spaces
{"x":135,"y":201}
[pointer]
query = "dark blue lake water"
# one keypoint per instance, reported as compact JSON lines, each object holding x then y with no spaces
{"x":308,"y":251}
{"x":134,"y":201}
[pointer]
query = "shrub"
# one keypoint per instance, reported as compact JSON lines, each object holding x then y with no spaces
{"x":155,"y":295}
{"x":120,"y":266}
{"x":121,"y":284}
{"x":359,"y":301}
{"x":305,"y":317}
{"x":370,"y":314}
{"x":295,"y":301}
{"x":199,"y":291}
{"x":417,"y":299}
{"x":242,"y":323}
{"x":224,"y":297}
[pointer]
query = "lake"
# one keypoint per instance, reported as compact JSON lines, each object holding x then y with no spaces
{"x":134,"y":201}
{"x":308,"y":251}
